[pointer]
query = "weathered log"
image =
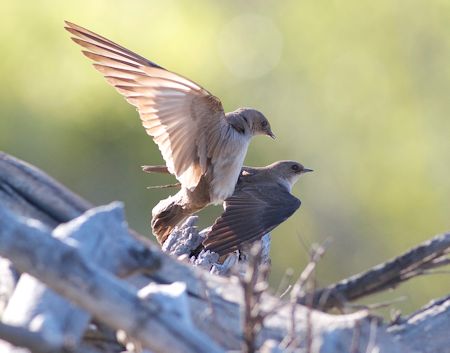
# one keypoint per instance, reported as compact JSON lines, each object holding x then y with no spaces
{"x":28,"y":191}
{"x":431,"y":254}
{"x":20,"y":336}
{"x":31,"y":248}
{"x":8,"y":282}
{"x":185,"y":239}
{"x":426,"y":330}
{"x":215,"y":304}
{"x":105,"y":241}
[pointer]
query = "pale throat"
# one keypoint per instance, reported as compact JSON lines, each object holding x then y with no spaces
{"x":290,"y":181}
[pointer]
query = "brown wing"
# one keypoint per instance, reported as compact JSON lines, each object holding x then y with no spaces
{"x":250,"y":213}
{"x":181,"y":116}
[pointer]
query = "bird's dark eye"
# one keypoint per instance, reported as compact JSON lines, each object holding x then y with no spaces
{"x":264,"y":123}
{"x":295,"y":167}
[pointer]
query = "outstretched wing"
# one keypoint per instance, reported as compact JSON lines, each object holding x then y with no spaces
{"x":250,"y":213}
{"x":181,"y":116}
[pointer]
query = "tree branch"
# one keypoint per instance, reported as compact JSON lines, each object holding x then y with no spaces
{"x":428,"y":255}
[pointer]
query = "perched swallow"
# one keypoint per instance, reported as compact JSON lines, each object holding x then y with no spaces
{"x":203,"y":146}
{"x":261,"y":201}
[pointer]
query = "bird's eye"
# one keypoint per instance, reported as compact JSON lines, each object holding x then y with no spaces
{"x":295,"y":167}
{"x":264,"y":123}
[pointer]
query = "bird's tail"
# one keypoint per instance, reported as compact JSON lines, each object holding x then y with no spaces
{"x":169,"y":213}
{"x":162,"y":169}
{"x":159,"y":169}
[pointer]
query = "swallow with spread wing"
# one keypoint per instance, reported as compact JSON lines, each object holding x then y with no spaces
{"x":203,"y":146}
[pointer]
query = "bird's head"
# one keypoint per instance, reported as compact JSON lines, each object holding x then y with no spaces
{"x":289,"y":171}
{"x":256,"y":122}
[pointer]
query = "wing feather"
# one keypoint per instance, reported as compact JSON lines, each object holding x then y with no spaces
{"x":180,"y":115}
{"x":251,"y":212}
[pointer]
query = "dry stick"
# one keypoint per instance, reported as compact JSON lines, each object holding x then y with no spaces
{"x":253,"y":284}
{"x":375,"y":306}
{"x":427,"y":255}
{"x":300,"y":290}
{"x":286,"y":291}
{"x":284,"y":286}
{"x":63,"y":269}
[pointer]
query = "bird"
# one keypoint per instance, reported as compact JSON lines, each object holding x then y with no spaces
{"x":261,"y":201}
{"x":203,"y":146}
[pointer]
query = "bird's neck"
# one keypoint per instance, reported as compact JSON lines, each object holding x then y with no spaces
{"x":286,"y":183}
{"x":238,"y":123}
{"x":289,"y":182}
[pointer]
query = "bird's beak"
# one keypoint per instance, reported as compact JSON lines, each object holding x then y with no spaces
{"x":307,"y":170}
{"x":271,"y":134}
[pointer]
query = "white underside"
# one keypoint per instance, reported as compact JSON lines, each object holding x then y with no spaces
{"x":228,"y":168}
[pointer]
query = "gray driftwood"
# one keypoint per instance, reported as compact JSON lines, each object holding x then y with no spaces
{"x":199,"y":312}
{"x":422,"y":259}
{"x":106,"y":242}
{"x":430,"y":325}
{"x":62,"y":267}
{"x":151,"y":319}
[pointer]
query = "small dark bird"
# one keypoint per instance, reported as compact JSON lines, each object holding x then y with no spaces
{"x":261,"y":201}
{"x":203,"y":146}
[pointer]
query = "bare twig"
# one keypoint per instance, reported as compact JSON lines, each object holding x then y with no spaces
{"x":284,"y":286}
{"x":286,"y":291}
{"x":375,"y":306}
{"x":253,"y":283}
{"x":303,"y":288}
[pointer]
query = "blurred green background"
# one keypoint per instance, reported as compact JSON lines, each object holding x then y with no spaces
{"x":357,"y":90}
